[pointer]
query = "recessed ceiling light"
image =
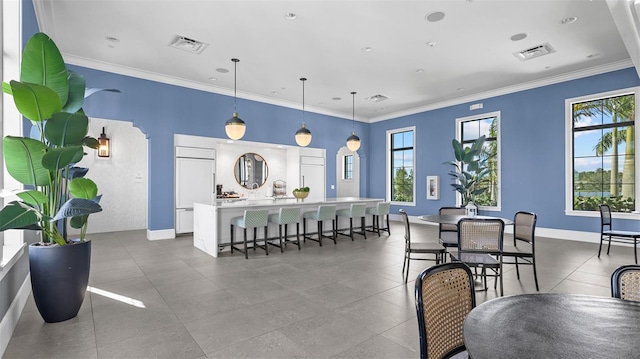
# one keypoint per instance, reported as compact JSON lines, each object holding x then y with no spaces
{"x":432,"y":43}
{"x":367,"y":49}
{"x":290,"y":16}
{"x":590,"y":56}
{"x":336,"y":98}
{"x":212,"y":79}
{"x":547,"y":67}
{"x":274,"y":92}
{"x":460,"y":89}
{"x":569,"y":20}
{"x":420,"y":71}
{"x":222,"y":70}
{"x":434,"y":16}
{"x":518,"y":37}
{"x":112,"y":39}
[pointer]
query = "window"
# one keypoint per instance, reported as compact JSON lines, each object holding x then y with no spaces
{"x":401,"y":144}
{"x":472,"y":128}
{"x":348,"y":167}
{"x":603,"y":162}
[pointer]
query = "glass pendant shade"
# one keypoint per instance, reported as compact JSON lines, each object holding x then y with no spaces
{"x":235,"y":127}
{"x":353,"y":142}
{"x":303,"y":136}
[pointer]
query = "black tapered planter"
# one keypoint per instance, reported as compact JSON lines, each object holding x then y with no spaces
{"x":59,"y":278}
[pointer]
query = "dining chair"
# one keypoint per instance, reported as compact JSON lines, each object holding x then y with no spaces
{"x":480,"y":244}
{"x":524,"y":233}
{"x":448,"y":233}
{"x":381,"y":209}
{"x":608,"y":233}
{"x":625,"y":282}
{"x":414,"y":250}
{"x":444,"y":296}
{"x":250,"y":219}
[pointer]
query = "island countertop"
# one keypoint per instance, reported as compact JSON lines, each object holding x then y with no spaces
{"x":211,"y":221}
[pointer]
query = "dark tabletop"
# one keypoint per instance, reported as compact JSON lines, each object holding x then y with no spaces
{"x":553,"y":326}
{"x":454,"y":219}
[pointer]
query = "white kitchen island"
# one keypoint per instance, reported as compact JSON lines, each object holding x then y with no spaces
{"x":211,"y":231}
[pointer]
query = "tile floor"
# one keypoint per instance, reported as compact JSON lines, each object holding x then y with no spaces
{"x":336,"y":301}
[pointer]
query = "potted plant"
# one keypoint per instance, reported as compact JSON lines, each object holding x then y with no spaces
{"x":57,"y":194}
{"x":470,"y":169}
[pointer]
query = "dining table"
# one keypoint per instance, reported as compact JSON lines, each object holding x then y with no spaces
{"x":553,"y":325}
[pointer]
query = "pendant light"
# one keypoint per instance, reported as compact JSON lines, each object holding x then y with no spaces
{"x":235,"y":127}
{"x":303,"y":135}
{"x":353,"y":141}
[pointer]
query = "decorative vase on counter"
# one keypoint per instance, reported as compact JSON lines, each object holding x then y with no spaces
{"x":471,"y":209}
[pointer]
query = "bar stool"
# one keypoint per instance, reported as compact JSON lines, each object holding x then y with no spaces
{"x":381,"y":209}
{"x":286,"y":216}
{"x":250,"y":219}
{"x":323,"y":213}
{"x":356,"y":210}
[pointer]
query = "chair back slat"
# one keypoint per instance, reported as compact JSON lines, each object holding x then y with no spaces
{"x":444,"y":296}
{"x":524,"y":226}
{"x":480,"y":235}
{"x":605,"y":215}
{"x":625,"y":282}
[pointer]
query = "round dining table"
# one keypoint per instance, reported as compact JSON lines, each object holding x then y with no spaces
{"x":553,"y":325}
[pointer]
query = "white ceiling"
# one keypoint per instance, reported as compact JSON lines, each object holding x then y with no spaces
{"x":473,"y":55}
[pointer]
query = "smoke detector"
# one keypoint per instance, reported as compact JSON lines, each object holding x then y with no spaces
{"x":534,"y":52}
{"x":376,"y":98}
{"x":187,"y":44}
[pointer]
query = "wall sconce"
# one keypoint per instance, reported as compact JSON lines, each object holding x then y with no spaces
{"x":104,"y":148}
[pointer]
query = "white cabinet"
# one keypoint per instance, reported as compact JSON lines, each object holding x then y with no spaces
{"x":312,"y":175}
{"x":195,"y":183}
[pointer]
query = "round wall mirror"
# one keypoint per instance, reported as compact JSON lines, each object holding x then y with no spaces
{"x":251,"y":171}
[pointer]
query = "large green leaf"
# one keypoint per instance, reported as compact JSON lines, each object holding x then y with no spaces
{"x":77,"y":86}
{"x":35,"y":102}
{"x":78,"y":222}
{"x":76,"y":207}
{"x":17,"y":216}
{"x":43,"y":64}
{"x":33,"y":197}
{"x":59,"y":158}
{"x":66,"y":129}
{"x":91,"y":142}
{"x":23,"y":158}
{"x":6,"y":88}
{"x":83,"y":188}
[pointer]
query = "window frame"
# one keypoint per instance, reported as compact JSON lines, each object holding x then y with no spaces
{"x":389,"y":160}
{"x":482,"y":116}
{"x":347,"y":169}
{"x":569,"y":151}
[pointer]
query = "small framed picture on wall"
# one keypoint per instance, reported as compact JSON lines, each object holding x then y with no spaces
{"x":433,"y":187}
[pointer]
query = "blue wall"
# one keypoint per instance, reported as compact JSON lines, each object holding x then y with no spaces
{"x":532,"y":149}
{"x":532,"y":138}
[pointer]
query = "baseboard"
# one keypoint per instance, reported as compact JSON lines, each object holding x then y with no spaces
{"x":161,"y":234}
{"x":10,"y":320}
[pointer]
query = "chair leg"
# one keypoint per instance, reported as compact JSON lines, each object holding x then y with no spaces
{"x":320,"y":232}
{"x":609,"y":246}
{"x":255,"y":235}
{"x":298,"y":235}
{"x":600,"y":248}
{"x":376,"y":218}
{"x":266,"y":241}
{"x":351,"y":228}
{"x":635,"y":249}
{"x":280,"y":236}
{"x":501,"y":281}
{"x":334,"y":227}
{"x":231,"y":238}
{"x":517,"y":270}
{"x":362,"y":228}
{"x":388,"y":228}
{"x":406,"y":275}
{"x":535,"y":273}
{"x":246,"y":253}
{"x":304,"y":230}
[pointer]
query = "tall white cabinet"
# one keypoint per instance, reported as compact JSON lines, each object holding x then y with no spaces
{"x":312,"y":175}
{"x":195,"y":183}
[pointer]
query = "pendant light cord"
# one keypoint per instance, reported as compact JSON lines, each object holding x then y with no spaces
{"x":353,"y":113}
{"x":303,"y":80}
{"x":235,"y":86}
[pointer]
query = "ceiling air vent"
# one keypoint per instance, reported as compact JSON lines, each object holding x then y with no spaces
{"x":376,"y":98}
{"x":187,"y":44}
{"x":534,"y":52}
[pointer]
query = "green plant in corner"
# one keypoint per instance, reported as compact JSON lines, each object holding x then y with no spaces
{"x":470,"y":168}
{"x":51,"y":97}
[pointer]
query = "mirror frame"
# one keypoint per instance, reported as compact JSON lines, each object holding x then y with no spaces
{"x":240,"y":166}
